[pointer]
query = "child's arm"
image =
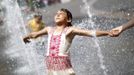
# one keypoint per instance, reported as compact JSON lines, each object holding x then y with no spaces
{"x":35,"y":34}
{"x":118,"y":30}
{"x":128,"y":25}
{"x":85,"y":32}
{"x":102,"y":33}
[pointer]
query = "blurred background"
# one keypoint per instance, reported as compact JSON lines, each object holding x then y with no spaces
{"x":89,"y":56}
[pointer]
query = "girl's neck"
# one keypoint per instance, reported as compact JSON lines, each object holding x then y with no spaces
{"x":38,"y":22}
{"x":60,"y":27}
{"x":58,"y":30}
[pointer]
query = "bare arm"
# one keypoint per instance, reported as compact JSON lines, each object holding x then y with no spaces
{"x":118,"y":30}
{"x":128,"y":25}
{"x":35,"y":34}
{"x":102,"y":33}
{"x":85,"y":32}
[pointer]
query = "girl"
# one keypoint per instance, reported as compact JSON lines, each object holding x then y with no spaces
{"x":59,"y":40}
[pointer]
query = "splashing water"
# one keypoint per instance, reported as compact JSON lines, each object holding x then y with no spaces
{"x":99,"y":53}
{"x":16,"y":49}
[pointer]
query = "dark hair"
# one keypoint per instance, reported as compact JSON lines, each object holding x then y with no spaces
{"x":69,"y":15}
{"x":38,"y":16}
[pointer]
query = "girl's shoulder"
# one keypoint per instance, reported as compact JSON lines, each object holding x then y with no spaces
{"x":72,"y":27}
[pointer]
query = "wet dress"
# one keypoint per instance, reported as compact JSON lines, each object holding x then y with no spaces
{"x":57,"y":57}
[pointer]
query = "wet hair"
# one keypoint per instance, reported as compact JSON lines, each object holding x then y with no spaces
{"x":38,"y":16}
{"x":69,"y":15}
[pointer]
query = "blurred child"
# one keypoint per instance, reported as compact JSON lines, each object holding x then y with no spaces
{"x":36,"y":24}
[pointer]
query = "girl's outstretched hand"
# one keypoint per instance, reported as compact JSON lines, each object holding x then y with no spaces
{"x":110,"y":34}
{"x":116,"y":31}
{"x":26,"y":40}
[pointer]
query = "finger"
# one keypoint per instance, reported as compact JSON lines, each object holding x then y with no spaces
{"x":111,"y":34}
{"x":28,"y":41}
{"x":115,"y":32}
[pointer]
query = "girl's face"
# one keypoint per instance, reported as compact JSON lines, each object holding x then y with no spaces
{"x":60,"y":17}
{"x":37,"y":19}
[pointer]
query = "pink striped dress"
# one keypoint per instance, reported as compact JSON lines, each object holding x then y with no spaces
{"x":58,"y":60}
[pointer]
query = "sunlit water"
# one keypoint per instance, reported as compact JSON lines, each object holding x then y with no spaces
{"x":29,"y":62}
{"x":99,"y":52}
